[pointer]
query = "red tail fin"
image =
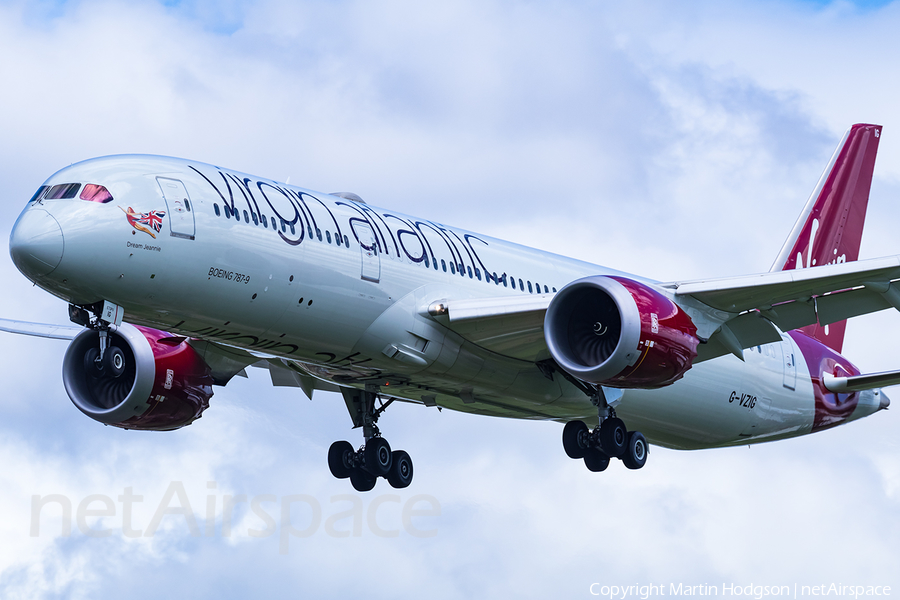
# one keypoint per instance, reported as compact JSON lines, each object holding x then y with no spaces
{"x":830,"y":227}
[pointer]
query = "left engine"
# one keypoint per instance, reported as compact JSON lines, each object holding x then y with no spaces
{"x":620,"y":333}
{"x":147,"y":379}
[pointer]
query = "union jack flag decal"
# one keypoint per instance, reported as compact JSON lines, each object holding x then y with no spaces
{"x":147,"y":222}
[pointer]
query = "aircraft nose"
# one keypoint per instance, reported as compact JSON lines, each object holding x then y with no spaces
{"x":885,"y":401}
{"x":36,"y":243}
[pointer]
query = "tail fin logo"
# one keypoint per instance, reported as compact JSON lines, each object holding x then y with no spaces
{"x":811,"y":260}
{"x":829,"y":229}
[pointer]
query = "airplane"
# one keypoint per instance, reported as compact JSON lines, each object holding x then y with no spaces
{"x":179,"y":275}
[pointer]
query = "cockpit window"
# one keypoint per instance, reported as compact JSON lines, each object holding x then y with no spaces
{"x":38,"y":193}
{"x":95,"y":193}
{"x":63,"y":191}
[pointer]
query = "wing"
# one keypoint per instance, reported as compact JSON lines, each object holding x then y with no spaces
{"x":731,"y":313}
{"x":739,"y":312}
{"x":511,"y":326}
{"x":45,"y":330}
{"x":224,"y":361}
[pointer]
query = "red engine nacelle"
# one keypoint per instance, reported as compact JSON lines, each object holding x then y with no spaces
{"x":165,"y":383}
{"x":620,"y":333}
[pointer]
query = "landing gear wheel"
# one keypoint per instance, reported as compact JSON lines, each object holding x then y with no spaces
{"x":114,"y":361}
{"x":595,"y":460}
{"x":401,"y":472}
{"x":340,"y":457}
{"x":613,"y":437}
{"x":378,"y":456}
{"x":361,"y":480}
{"x":575,"y":439}
{"x":636,"y":450}
{"x":92,"y":364}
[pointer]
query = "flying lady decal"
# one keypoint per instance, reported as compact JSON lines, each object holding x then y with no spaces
{"x":147,"y":222}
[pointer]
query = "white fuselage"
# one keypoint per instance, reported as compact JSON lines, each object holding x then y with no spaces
{"x":343,"y":289}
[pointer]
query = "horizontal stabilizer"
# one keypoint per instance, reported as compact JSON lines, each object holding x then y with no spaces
{"x":859,"y":383}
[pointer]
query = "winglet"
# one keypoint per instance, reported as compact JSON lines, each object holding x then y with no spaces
{"x":829,"y":229}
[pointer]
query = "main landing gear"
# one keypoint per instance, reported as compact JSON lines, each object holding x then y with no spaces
{"x":610,"y":440}
{"x":374,"y":458}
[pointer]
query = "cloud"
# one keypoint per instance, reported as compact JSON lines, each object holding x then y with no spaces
{"x":672,"y":141}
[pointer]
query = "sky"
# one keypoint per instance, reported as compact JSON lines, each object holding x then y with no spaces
{"x":675,"y":140}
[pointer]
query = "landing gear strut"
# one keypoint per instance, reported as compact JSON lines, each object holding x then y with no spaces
{"x":106,"y":360}
{"x":374,"y":458}
{"x":610,"y":440}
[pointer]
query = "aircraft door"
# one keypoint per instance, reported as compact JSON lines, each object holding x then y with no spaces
{"x":790,"y":366}
{"x":371,"y":260}
{"x":181,"y":213}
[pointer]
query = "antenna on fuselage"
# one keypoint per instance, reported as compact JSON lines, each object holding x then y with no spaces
{"x":349,"y":196}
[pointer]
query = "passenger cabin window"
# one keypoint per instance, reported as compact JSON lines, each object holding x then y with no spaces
{"x":216,"y":208}
{"x":328,"y":236}
{"x":529,"y":288}
{"x":477,"y":274}
{"x":273,"y":224}
{"x":246,"y":217}
{"x":452,"y":268}
{"x":469,"y":269}
{"x":443,"y":265}
{"x":227,"y":212}
{"x":95,"y":193}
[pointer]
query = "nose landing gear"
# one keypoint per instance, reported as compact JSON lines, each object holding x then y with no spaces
{"x":374,"y":458}
{"x":106,"y":360}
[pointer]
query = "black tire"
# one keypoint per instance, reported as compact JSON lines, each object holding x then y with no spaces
{"x":636,"y":451}
{"x":401,"y":472}
{"x":92,"y":365}
{"x":613,"y":437}
{"x":378,"y":456}
{"x":113,"y":361}
{"x":595,"y":460}
{"x":575,"y":439}
{"x":361,"y":480}
{"x":340,"y":459}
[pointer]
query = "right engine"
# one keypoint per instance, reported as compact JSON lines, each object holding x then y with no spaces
{"x":158,"y":382}
{"x":620,"y":333}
